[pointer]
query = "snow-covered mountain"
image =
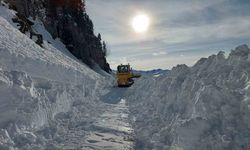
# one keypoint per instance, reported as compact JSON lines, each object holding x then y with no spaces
{"x":44,"y":91}
{"x":154,"y":72}
{"x":204,"y":107}
{"x":66,"y":20}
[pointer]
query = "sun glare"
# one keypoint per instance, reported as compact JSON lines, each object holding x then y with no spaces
{"x":140,"y":23}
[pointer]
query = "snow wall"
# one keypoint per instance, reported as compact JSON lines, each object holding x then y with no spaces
{"x":206,"y":106}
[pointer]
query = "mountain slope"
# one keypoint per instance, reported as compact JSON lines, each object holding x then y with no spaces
{"x":204,"y":107}
{"x":68,"y":21}
{"x":44,"y":92}
{"x":155,"y":72}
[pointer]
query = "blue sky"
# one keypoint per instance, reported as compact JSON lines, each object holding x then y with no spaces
{"x":181,"y":31}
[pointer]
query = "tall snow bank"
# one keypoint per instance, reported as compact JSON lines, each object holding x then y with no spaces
{"x":27,"y":56}
{"x":43,"y":91}
{"x":203,"y":107}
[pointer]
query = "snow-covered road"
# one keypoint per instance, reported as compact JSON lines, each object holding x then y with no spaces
{"x":112,"y":130}
{"x":106,"y":129}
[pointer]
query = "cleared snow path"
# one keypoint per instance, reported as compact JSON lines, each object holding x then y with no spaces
{"x":112,"y":130}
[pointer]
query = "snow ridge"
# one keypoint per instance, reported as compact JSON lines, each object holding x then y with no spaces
{"x":202,"y":107}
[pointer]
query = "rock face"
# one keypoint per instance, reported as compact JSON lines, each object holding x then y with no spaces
{"x":67,"y":20}
{"x":203,"y":107}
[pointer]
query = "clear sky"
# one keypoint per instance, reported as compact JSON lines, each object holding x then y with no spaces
{"x":180,"y":31}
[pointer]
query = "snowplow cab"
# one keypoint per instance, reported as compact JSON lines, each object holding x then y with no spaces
{"x":124,"y":76}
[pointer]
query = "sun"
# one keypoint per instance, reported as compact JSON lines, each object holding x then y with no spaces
{"x":140,"y":23}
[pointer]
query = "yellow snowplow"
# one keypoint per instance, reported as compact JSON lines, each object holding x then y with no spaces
{"x":125,"y":76}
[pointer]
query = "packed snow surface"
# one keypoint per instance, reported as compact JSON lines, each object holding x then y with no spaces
{"x":203,"y":107}
{"x":50,"y":100}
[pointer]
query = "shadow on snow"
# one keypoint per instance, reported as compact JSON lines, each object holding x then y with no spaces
{"x":114,"y":96}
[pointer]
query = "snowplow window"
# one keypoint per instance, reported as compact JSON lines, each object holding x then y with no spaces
{"x":122,"y":69}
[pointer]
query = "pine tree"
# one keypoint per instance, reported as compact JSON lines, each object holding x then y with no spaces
{"x":76,"y":30}
{"x":104,"y":48}
{"x":99,"y":37}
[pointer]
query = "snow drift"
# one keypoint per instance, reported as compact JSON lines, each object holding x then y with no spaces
{"x":44,"y":91}
{"x":206,"y":106}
